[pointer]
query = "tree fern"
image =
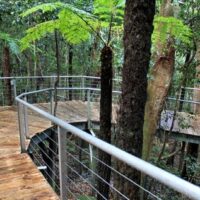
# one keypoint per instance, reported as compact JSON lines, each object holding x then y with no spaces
{"x":105,"y":9}
{"x":73,"y":28}
{"x":37,"y":32}
{"x":11,"y":42}
{"x":74,"y":24}
{"x":47,"y":7}
{"x":69,"y":21}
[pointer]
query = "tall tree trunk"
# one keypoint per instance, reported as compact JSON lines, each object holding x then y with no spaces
{"x":6,"y":73}
{"x":70,"y":71}
{"x":197,"y":92}
{"x":158,"y":86}
{"x":137,"y":44}
{"x":57,"y":55}
{"x":54,"y":136}
{"x":105,"y":120}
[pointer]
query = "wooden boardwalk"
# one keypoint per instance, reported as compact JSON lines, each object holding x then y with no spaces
{"x":19,"y":177}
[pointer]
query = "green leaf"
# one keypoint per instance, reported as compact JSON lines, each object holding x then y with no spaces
{"x":105,"y":9}
{"x":46,"y":7}
{"x":85,"y":197}
{"x":12,"y":43}
{"x":165,"y":27}
{"x":37,"y":32}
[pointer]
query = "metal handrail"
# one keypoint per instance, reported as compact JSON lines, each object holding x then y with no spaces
{"x":168,"y":179}
{"x":82,"y":81}
{"x":67,"y":76}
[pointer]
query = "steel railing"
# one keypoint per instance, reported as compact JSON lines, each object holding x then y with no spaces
{"x":31,"y":83}
{"x":67,"y":171}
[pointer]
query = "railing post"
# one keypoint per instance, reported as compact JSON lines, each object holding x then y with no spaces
{"x":21,"y":128}
{"x":25,"y":115}
{"x":62,"y":144}
{"x":52,"y":82}
{"x":89,"y":109}
{"x":83,"y":86}
{"x":51,"y":97}
{"x":13,"y":83}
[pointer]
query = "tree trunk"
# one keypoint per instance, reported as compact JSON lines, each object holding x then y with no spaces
{"x":70,"y":71}
{"x":54,"y":136}
{"x":158,"y":86}
{"x":170,"y":160}
{"x":137,"y":44}
{"x":197,"y":92}
{"x":105,"y":120}
{"x":182,"y":156}
{"x":57,"y":55}
{"x":6,"y":73}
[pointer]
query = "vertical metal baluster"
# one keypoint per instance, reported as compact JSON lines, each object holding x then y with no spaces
{"x":88,"y":109}
{"x":62,"y":144}
{"x":25,"y":115}
{"x":51,"y":98}
{"x":83,"y":86}
{"x":13,"y":82}
{"x":21,"y":128}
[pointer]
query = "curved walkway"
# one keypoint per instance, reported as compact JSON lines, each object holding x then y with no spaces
{"x":19,"y":177}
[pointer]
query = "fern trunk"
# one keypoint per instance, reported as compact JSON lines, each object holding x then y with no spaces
{"x":105,"y":120}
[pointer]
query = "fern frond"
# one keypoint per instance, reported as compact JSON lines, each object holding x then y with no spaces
{"x":105,"y":9}
{"x":11,"y":42}
{"x":37,"y":32}
{"x":165,"y":27}
{"x":73,"y":28}
{"x":46,"y":7}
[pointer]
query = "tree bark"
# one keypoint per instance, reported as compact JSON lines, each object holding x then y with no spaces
{"x":105,"y":120}
{"x":57,"y":55}
{"x":6,"y":73}
{"x":70,"y":71}
{"x":158,"y":86}
{"x":137,"y":44}
{"x":197,"y":92}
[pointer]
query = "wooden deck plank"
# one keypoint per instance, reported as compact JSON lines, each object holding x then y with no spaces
{"x":19,"y":177}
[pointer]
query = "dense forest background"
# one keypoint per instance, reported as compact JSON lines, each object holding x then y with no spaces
{"x":40,"y":59}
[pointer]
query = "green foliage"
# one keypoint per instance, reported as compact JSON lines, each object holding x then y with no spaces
{"x":69,"y":21}
{"x":11,"y":42}
{"x":47,"y":7}
{"x":193,"y":168}
{"x":166,"y":27}
{"x":85,"y":197}
{"x":73,"y":28}
{"x":37,"y":32}
{"x":75,"y":24}
{"x":105,"y":9}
